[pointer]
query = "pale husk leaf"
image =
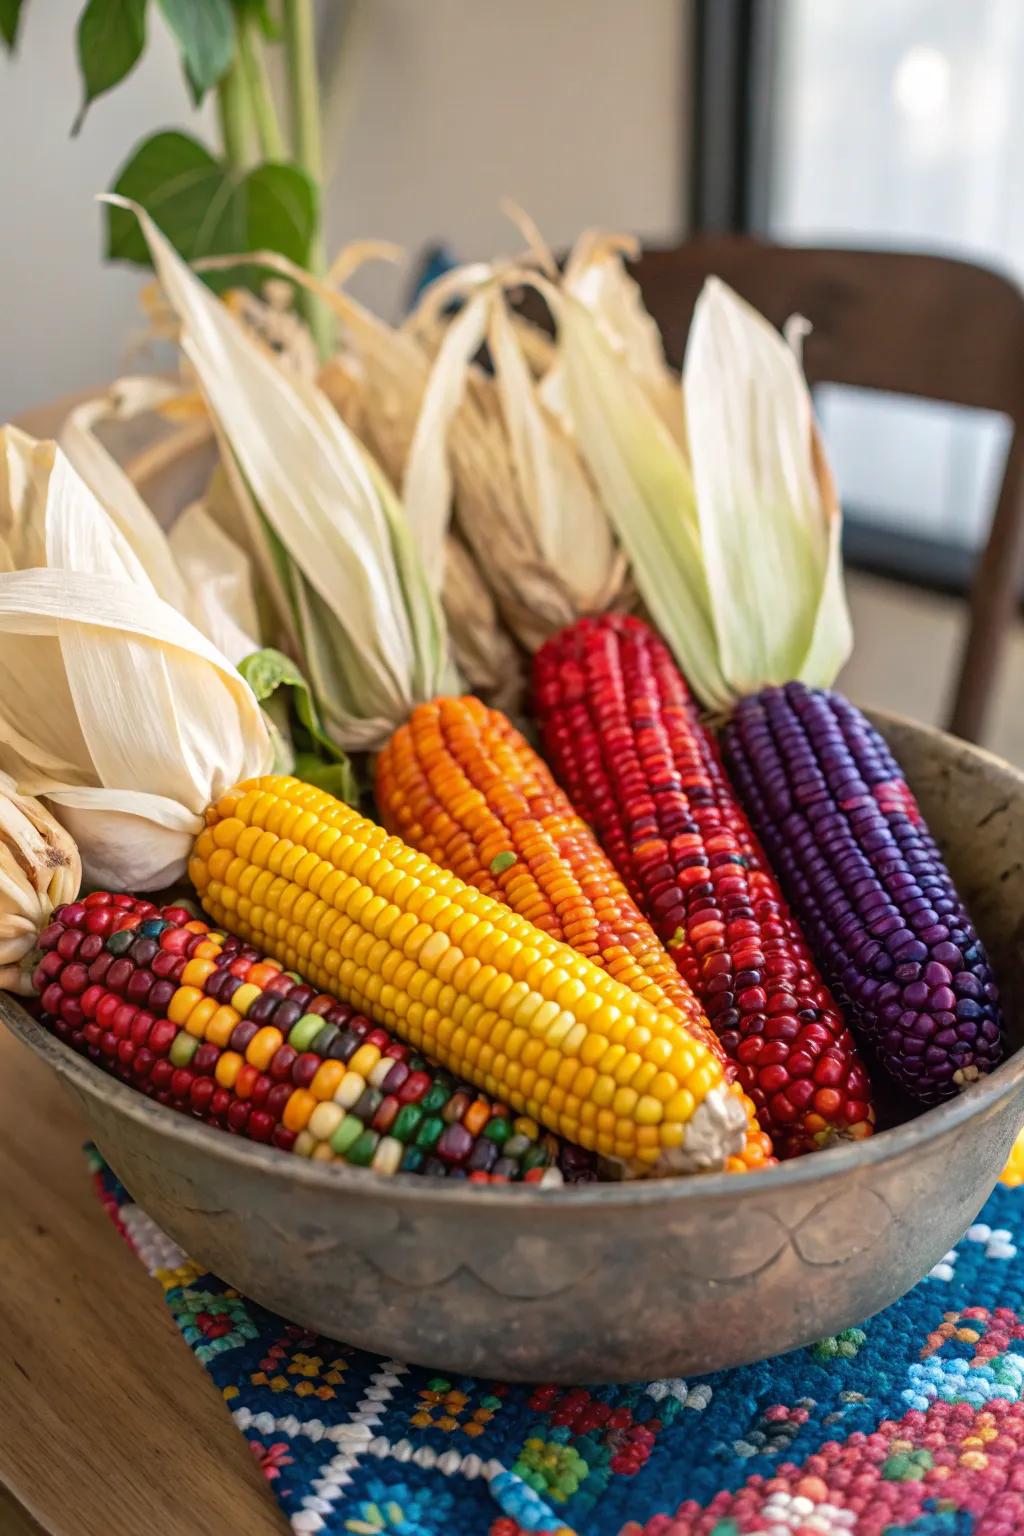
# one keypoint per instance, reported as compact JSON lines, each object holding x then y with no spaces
{"x":40,"y":869}
{"x":646,"y":487}
{"x":570,"y":526}
{"x":367,"y":620}
{"x":525,"y":503}
{"x":114,"y":709}
{"x":108,"y":481}
{"x":596,"y":275}
{"x":196,"y":567}
{"x":769,"y":523}
{"x":426,"y":478}
{"x":437,"y":433}
{"x":218,"y":579}
{"x":377,"y":383}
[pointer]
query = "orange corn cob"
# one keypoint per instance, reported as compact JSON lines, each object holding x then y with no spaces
{"x":460,"y":783}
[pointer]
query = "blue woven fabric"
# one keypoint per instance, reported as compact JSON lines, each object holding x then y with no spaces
{"x":912,"y":1425}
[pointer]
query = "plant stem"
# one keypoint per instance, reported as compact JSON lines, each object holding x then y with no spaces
{"x":300,"y":42}
{"x":307,"y":151}
{"x":257,"y":81}
{"x":233,"y":111}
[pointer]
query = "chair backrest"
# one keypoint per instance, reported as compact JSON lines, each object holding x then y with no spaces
{"x":920,"y":325}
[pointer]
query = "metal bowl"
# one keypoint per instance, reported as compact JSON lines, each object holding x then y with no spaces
{"x":608,"y":1282}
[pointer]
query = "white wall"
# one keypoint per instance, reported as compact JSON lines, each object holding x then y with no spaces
{"x":574,"y":107}
{"x":65,"y":316}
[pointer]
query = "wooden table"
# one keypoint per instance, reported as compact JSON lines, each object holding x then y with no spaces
{"x":108,"y":1427}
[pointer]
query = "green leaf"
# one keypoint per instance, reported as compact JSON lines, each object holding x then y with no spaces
{"x":326,"y":766}
{"x":10,"y":15}
{"x":111,"y":37}
{"x":205,"y":33}
{"x":205,"y":209}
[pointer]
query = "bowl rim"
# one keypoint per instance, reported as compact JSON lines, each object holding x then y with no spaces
{"x":832,"y":1163}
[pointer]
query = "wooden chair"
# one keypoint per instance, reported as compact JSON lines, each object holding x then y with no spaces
{"x":916,"y":325}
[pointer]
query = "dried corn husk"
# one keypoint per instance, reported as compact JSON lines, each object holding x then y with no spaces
{"x":376,"y":384}
{"x":525,"y":502}
{"x":733,"y":526}
{"x":440,"y":428}
{"x":484,"y":652}
{"x":196,"y":567}
{"x":40,"y":869}
{"x":596,"y":276}
{"x":114,"y":709}
{"x":273,"y":319}
{"x":769,"y":518}
{"x":352,"y":589}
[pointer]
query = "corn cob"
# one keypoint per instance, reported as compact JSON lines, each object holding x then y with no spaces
{"x":1013,"y":1174}
{"x":201,"y":1022}
{"x":868,"y":883}
{"x":622,"y":734}
{"x":460,"y":783}
{"x":461,"y":978}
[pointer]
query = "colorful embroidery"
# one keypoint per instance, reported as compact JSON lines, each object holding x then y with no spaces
{"x":291,"y":1365}
{"x":911,"y":1425}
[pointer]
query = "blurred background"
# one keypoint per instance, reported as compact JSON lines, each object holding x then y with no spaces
{"x":579,"y":111}
{"x":890,"y":124}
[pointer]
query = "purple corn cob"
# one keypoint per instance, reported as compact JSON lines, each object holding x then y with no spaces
{"x":868,"y":885}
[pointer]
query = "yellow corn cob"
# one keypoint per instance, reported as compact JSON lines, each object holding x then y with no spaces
{"x":460,"y":977}
{"x":1013,"y":1173}
{"x":462,"y":785}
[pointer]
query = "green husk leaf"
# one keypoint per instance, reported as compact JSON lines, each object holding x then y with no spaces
{"x":769,"y":529}
{"x":369,"y":625}
{"x":267,"y":671}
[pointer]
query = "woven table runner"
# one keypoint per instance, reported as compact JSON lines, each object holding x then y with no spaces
{"x":912,"y":1425}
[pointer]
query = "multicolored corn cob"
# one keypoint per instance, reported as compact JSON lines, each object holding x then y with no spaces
{"x":461,"y":978}
{"x":202,"y":1022}
{"x":463,"y":785}
{"x":869,"y":885}
{"x":622,"y":734}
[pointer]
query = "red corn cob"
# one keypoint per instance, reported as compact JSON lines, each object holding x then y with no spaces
{"x":203,"y":1023}
{"x":622,"y":733}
